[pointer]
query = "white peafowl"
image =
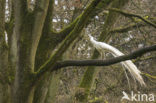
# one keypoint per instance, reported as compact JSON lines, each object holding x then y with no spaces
{"x":129,"y":65}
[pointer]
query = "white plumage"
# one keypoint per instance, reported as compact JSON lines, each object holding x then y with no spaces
{"x":129,"y":65}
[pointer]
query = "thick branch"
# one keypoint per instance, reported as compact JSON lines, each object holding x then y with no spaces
{"x":69,"y":39}
{"x":43,"y":47}
{"x":107,"y":62}
{"x":102,"y":5}
{"x":20,"y":8}
{"x":149,"y":76}
{"x":133,"y":15}
{"x":38,"y":18}
{"x":54,"y":38}
{"x":51,"y":39}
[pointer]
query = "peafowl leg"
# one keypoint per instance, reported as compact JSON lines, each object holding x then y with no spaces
{"x":103,"y":55}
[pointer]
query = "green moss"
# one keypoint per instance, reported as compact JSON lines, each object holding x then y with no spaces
{"x":81,"y":94}
{"x":70,"y":38}
{"x":87,"y":78}
{"x":90,"y":73}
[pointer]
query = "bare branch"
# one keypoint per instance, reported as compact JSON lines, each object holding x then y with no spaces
{"x":149,"y":76}
{"x":133,"y":15}
{"x":133,"y":55}
{"x":127,"y":28}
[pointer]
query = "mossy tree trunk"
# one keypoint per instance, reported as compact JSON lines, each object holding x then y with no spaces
{"x":26,"y":60}
{"x":4,"y":86}
{"x":90,"y":74}
{"x":29,"y":32}
{"x":52,"y":39}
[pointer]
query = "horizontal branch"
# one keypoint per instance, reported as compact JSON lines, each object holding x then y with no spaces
{"x":107,"y":62}
{"x":130,"y":27}
{"x":133,"y":15}
{"x":126,"y":28}
{"x":149,"y":76}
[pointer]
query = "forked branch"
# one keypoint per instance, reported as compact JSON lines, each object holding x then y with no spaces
{"x":133,"y":15}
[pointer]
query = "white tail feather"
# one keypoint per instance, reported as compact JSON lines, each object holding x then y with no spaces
{"x":129,"y":65}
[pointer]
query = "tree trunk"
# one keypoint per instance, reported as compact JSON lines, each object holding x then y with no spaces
{"x":22,"y":87}
{"x":4,"y":87}
{"x":89,"y":76}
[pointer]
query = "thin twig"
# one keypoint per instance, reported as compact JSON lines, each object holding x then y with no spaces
{"x":133,"y":15}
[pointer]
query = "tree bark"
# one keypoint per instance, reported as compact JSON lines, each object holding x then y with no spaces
{"x":88,"y":78}
{"x":28,"y":59}
{"x":27,"y":30}
{"x":4,"y":86}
